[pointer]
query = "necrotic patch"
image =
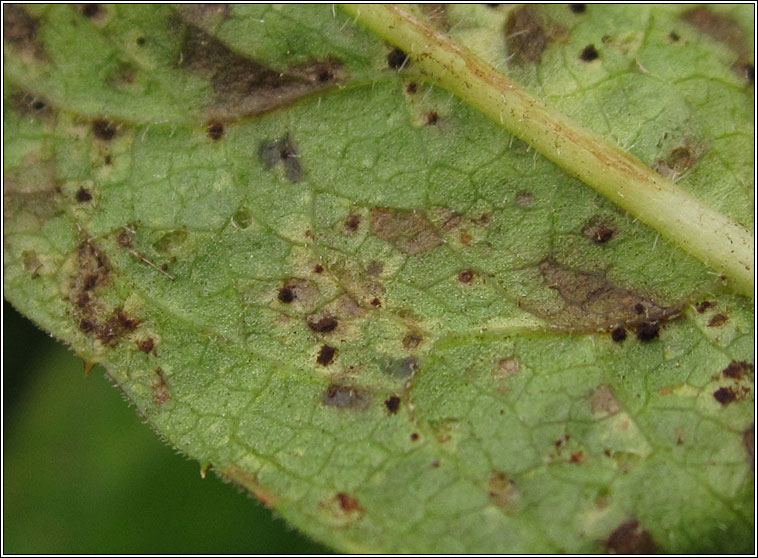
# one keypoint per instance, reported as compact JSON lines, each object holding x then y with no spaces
{"x":244,"y":87}
{"x":525,"y":37}
{"x":282,"y":151}
{"x":345,"y":397}
{"x":409,"y":231}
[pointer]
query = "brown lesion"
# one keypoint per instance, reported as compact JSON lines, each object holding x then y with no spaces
{"x":21,"y":31}
{"x":244,"y":87}
{"x":590,"y":302}
{"x":724,"y":29}
{"x":409,"y":231}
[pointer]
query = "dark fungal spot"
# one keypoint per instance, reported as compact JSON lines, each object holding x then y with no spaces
{"x":577,"y":457}
{"x":589,"y":53}
{"x":83,"y":195}
{"x":352,"y":222}
{"x":345,"y":397}
{"x":647,"y":331}
{"x":747,"y":69}
{"x":578,"y":8}
{"x":674,"y":36}
{"x":161,"y":393}
{"x":348,"y":503}
{"x":397,"y":59}
{"x":286,"y":295}
{"x":323,"y":325}
{"x":618,"y":334}
{"x":466,"y":276}
{"x":718,"y":320}
{"x":86,"y":325}
{"x":215,"y":130}
{"x":414,"y":437}
{"x":141,"y":41}
{"x":318,"y":268}
{"x":108,"y":159}
{"x":146,"y":345}
{"x":91,"y":10}
{"x":599,"y":231}
{"x":704,"y":305}
{"x":411,"y":88}
{"x":103,"y":130}
{"x":282,"y":151}
{"x":737,"y":369}
{"x":376,"y":302}
{"x":679,"y":160}
{"x":432,"y":118}
{"x":392,"y":404}
{"x":630,"y":538}
{"x":326,"y":355}
{"x":244,"y":87}
{"x":412,"y":340}
{"x":20,"y":30}
{"x":525,"y":38}
{"x":725,"y":395}
{"x":639,"y":308}
{"x":125,"y":238}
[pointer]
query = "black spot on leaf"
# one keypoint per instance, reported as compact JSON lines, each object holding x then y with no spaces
{"x":737,"y":369}
{"x":618,"y":334}
{"x":397,"y":59}
{"x":647,"y":331}
{"x":83,"y":195}
{"x":392,"y":404}
{"x":589,"y":53}
{"x":103,"y":130}
{"x":630,"y":538}
{"x":326,"y":355}
{"x":323,"y":325}
{"x":215,"y":130}
{"x":578,"y":8}
{"x":725,"y":395}
{"x":286,"y":295}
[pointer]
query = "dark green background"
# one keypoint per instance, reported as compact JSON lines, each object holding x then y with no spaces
{"x":84,"y":474}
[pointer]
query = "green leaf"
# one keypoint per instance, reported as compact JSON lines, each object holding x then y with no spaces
{"x":356,"y":296}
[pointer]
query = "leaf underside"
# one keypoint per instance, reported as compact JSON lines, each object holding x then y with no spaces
{"x":368,"y":305}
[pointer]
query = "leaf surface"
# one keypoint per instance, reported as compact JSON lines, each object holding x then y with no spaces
{"x":363,"y":301}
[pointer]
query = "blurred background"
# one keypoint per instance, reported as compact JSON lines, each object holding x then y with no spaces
{"x":84,"y":475}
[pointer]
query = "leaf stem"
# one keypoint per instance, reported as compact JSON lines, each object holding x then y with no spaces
{"x":719,"y":242}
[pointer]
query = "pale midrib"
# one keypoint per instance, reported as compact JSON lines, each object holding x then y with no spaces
{"x":716,"y":240}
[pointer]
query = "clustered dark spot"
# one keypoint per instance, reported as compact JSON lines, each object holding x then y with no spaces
{"x":412,"y":87}
{"x":749,"y":72}
{"x":703,"y":306}
{"x":639,"y":308}
{"x":323,"y":325}
{"x":286,"y":295}
{"x":598,"y":231}
{"x":589,"y":53}
{"x":215,"y":130}
{"x":319,"y":268}
{"x":326,"y":355}
{"x":432,"y":118}
{"x":396,"y":59}
{"x":724,"y":395}
{"x":141,"y":41}
{"x":117,"y":325}
{"x":348,"y":503}
{"x":103,"y":130}
{"x":736,"y":369}
{"x":414,"y":437}
{"x":392,"y":404}
{"x":83,"y":195}
{"x":618,"y":334}
{"x":647,"y":331}
{"x":578,"y":8}
{"x":376,"y":302}
{"x":674,"y":36}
